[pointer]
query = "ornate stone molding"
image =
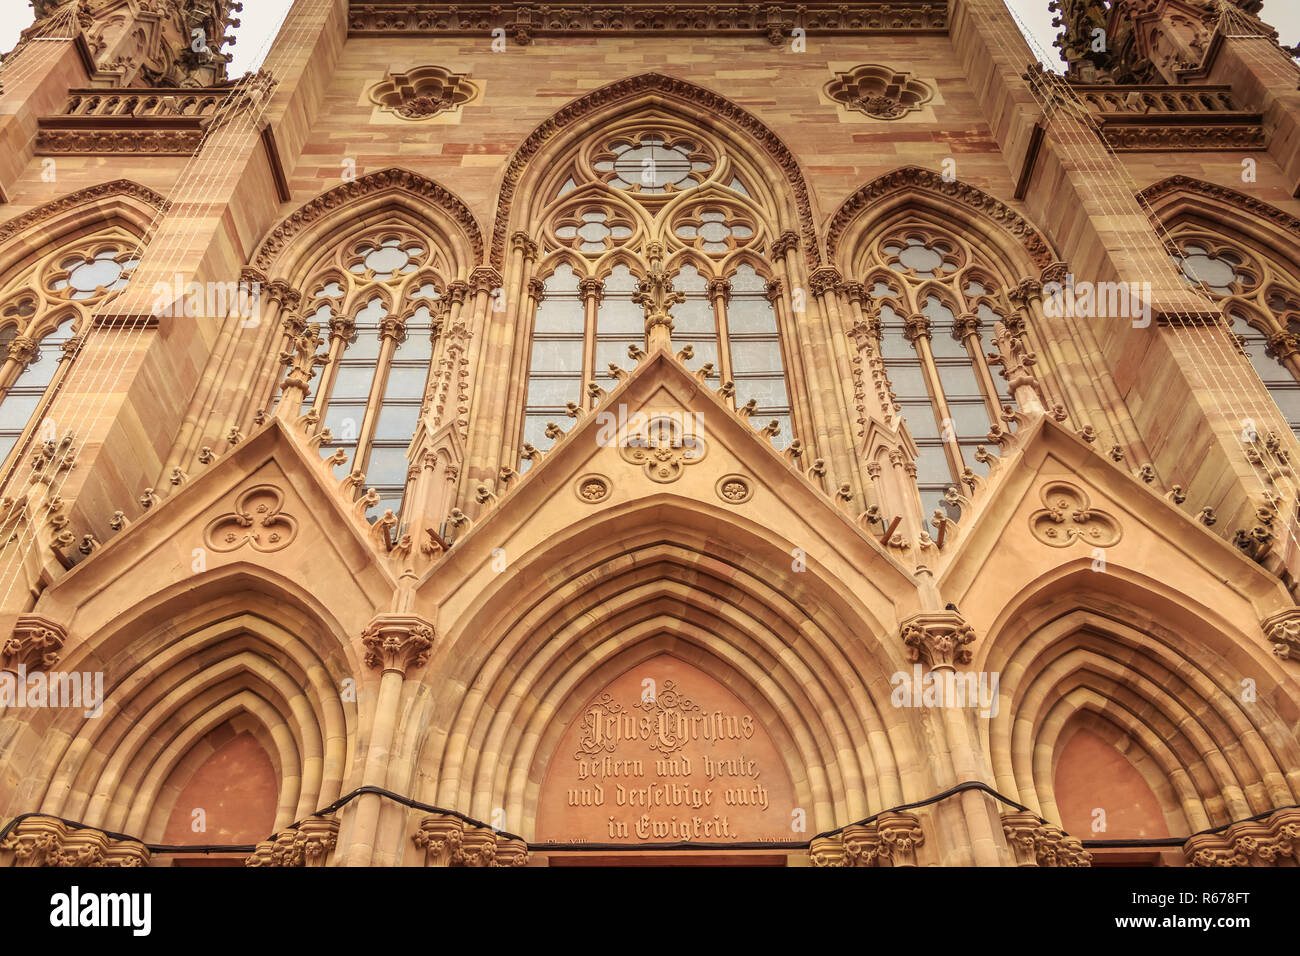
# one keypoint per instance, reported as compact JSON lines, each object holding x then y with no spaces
{"x":34,"y":644}
{"x":308,"y":844}
{"x":525,"y":22}
{"x":82,"y":197}
{"x":140,"y":142}
{"x":397,"y":642}
{"x":333,"y":199}
{"x":926,"y":181}
{"x":718,"y":108}
{"x":48,"y":841}
{"x":1282,"y":630}
{"x":1036,"y":843}
{"x":1220,"y":196}
{"x":939,"y":639}
{"x":1125,"y":136}
{"x":1272,"y":841}
{"x":448,"y":841}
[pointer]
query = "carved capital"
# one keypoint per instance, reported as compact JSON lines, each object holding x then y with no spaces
{"x":900,"y":835}
{"x":397,"y":642}
{"x":439,"y":837}
{"x":34,"y":644}
{"x":825,"y":280}
{"x":520,"y":242}
{"x":787,"y":242}
{"x":457,"y":291}
{"x":485,"y":279}
{"x":827,"y":851}
{"x":1272,"y":841}
{"x":590,"y":288}
{"x":939,"y":639}
{"x":720,"y":288}
{"x":308,"y":844}
{"x":1282,"y":630}
{"x":1025,"y":292}
{"x":48,"y":841}
{"x":22,"y":349}
{"x":1036,"y":843}
{"x":917,"y":326}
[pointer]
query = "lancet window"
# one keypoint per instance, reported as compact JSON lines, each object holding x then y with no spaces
{"x":44,"y":311}
{"x":653,"y":189}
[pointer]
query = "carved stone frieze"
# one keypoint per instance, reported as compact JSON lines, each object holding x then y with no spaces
{"x":1272,"y":841}
{"x":448,"y":841}
{"x":48,"y":841}
{"x":308,"y":844}
{"x":1036,"y":843}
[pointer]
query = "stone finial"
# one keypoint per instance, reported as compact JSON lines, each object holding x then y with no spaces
{"x":397,"y":642}
{"x":939,"y":639}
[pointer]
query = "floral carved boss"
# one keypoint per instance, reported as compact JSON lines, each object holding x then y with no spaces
{"x":1069,"y":517}
{"x":258,"y":520}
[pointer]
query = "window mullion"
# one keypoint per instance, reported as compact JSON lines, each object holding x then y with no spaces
{"x":918,"y":333}
{"x":389,"y":331}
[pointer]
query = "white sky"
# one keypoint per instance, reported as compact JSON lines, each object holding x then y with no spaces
{"x":261,"y":18}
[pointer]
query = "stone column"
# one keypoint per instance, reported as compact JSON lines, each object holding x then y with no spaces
{"x":394,"y":644}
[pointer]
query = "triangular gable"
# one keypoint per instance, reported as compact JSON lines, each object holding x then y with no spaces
{"x":1054,"y":496}
{"x":297,"y":527}
{"x":770,"y":490}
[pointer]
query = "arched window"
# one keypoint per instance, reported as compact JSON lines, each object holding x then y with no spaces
{"x":1262,"y":302}
{"x":643,"y":191}
{"x":938,"y":310}
{"x":43,"y":309}
{"x":379,"y":302}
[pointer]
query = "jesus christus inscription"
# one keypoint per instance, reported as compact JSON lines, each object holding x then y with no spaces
{"x":647,"y":766}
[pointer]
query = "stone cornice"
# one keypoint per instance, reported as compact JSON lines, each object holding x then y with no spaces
{"x":525,"y":22}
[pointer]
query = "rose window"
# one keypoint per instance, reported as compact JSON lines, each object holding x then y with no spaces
{"x":652,"y":165}
{"x":594,"y":231}
{"x":85,"y":278}
{"x":1217,"y":272}
{"x":713,"y":233}
{"x":390,"y":258}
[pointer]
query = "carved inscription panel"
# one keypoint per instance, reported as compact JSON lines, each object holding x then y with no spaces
{"x":667,"y":754}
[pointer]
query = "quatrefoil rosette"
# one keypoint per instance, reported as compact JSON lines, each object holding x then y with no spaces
{"x":1069,"y":517}
{"x":257,"y":520}
{"x":663,"y":450}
